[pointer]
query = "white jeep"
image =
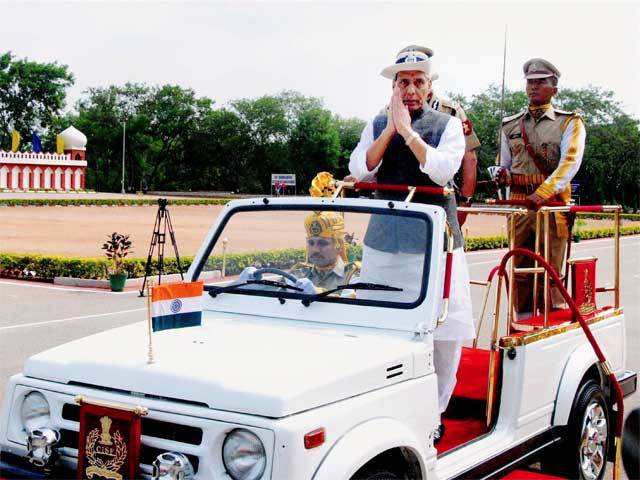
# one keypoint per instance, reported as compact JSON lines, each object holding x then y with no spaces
{"x":278,"y":383}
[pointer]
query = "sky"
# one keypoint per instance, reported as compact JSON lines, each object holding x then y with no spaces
{"x":331,"y":50}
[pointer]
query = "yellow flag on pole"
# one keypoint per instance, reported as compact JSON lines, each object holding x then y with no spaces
{"x":59,"y":145}
{"x":15,"y":140}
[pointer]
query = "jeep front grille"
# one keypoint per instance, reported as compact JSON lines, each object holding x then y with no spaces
{"x":69,"y":441}
{"x":179,"y":438}
{"x":150,"y":427}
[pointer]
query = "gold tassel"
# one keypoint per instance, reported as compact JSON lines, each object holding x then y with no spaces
{"x":617,"y":461}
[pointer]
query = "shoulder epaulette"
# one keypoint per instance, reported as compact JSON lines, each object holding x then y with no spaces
{"x":351,"y":269}
{"x":352,"y":265}
{"x":575,"y":113}
{"x":513,"y":117}
{"x":445,"y":102}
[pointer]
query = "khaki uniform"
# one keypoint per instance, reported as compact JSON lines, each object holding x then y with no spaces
{"x":341,"y":274}
{"x":546,"y":135}
{"x":455,"y":110}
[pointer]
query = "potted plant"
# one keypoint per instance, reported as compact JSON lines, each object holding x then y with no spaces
{"x":577,"y":234}
{"x":116,"y":248}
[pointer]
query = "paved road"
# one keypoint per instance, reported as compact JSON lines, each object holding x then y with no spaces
{"x":36,"y":317}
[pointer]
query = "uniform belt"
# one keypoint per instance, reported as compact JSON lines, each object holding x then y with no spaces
{"x":523,"y":185}
{"x":520,"y":179}
{"x":525,"y":189}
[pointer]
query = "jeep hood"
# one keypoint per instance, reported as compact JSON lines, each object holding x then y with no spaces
{"x":235,"y":365}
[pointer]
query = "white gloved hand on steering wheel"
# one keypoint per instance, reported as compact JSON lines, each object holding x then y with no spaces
{"x":307,"y":286}
{"x":247,"y":274}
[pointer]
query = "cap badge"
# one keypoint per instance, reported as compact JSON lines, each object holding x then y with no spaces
{"x":534,"y":67}
{"x":315,"y":228}
{"x":411,"y":58}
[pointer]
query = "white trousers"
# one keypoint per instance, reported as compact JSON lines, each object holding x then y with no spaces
{"x":406,"y":270}
{"x":446,"y":357}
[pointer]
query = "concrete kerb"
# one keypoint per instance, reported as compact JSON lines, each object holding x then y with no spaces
{"x":131,"y":282}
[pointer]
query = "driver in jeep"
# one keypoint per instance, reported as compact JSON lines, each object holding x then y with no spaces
{"x":326,"y":267}
{"x":326,"y":252}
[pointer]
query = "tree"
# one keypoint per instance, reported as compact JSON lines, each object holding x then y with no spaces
{"x":610,"y":171}
{"x":159,"y":122}
{"x":173,"y":113}
{"x":271,"y":121}
{"x":314,"y":145}
{"x":32,"y":95}
{"x":101,"y":114}
{"x":484,"y":112}
{"x":220,"y":153}
{"x":349,"y":131}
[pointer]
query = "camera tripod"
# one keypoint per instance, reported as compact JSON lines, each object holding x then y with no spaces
{"x":160,"y":227}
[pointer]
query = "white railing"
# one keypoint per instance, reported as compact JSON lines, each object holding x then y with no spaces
{"x":34,"y":156}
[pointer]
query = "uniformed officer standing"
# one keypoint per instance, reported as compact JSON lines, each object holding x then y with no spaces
{"x":469,"y":166}
{"x":540,"y":153}
{"x":326,"y":252}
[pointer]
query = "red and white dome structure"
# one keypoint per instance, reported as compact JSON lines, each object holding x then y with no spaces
{"x":29,"y":171}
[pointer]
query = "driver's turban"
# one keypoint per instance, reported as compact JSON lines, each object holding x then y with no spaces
{"x":325,"y":224}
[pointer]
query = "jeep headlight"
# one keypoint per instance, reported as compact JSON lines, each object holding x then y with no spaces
{"x":35,"y":411}
{"x":243,"y":455}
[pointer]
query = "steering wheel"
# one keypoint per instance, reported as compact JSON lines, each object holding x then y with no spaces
{"x":258,"y":273}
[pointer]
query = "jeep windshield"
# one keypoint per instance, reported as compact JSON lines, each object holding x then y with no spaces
{"x":326,"y":253}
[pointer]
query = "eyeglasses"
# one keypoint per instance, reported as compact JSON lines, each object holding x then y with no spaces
{"x":321,"y":242}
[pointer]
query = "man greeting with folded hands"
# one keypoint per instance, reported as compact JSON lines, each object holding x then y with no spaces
{"x":412,"y":144}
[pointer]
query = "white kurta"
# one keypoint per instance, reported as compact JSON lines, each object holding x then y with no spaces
{"x":442,"y":163}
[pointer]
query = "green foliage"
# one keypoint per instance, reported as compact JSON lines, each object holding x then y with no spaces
{"x":500,"y":241}
{"x":484,"y":112}
{"x":32,"y":95}
{"x":609,"y":216}
{"x":41,"y":267}
{"x":610,"y":172}
{"x":160,"y":122}
{"x":609,"y":232}
{"x":349,"y":131}
{"x":116,"y":249}
{"x":315,"y":144}
{"x":485,"y":243}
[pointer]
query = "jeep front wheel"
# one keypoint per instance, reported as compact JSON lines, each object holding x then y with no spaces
{"x":584,"y":452}
{"x":376,"y":475}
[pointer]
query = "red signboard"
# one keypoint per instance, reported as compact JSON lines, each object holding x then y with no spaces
{"x":583,"y":284}
{"x":109,"y":441}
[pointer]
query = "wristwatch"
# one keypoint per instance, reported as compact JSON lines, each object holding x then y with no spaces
{"x":464,"y":200}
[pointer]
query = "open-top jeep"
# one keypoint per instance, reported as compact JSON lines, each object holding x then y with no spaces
{"x":282,"y":383}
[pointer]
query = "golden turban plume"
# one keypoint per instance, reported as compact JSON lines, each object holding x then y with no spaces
{"x":323,"y":185}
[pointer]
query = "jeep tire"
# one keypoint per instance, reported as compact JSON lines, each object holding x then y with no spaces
{"x":583,"y":452}
{"x":375,"y":475}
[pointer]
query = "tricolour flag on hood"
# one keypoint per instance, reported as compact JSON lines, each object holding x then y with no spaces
{"x":176,"y":305}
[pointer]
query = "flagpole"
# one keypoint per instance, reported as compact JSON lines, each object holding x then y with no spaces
{"x":149,"y":325}
{"x":504,"y":67}
{"x":124,"y":129}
